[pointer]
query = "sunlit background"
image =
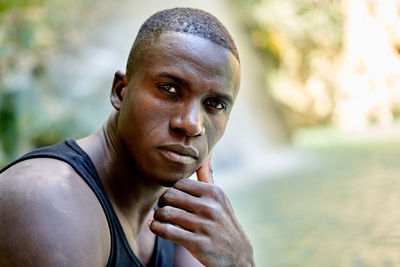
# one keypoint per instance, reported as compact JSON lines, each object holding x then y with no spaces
{"x":310,"y":156}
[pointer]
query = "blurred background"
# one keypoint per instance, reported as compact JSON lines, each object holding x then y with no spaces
{"x":309,"y":158}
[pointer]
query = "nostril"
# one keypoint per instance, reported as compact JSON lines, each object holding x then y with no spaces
{"x":188,"y":119}
{"x":187,"y":126}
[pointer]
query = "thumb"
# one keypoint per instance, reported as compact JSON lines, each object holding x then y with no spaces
{"x":204,"y":173}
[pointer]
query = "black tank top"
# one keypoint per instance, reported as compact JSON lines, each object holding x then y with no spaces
{"x":120,"y":253}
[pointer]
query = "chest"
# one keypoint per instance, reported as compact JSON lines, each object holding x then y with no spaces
{"x":143,"y":244}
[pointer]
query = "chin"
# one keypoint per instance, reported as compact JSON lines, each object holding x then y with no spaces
{"x":169,"y":179}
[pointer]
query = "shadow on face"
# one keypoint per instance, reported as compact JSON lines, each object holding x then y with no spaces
{"x":175,"y":105}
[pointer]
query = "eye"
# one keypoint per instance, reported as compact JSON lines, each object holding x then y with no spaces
{"x":215,"y":103}
{"x":170,"y":88}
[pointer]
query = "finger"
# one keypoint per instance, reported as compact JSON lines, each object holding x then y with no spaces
{"x":200,"y":190}
{"x":184,"y":219}
{"x":204,"y":173}
{"x":205,"y":206}
{"x":177,"y":198}
{"x":192,"y":187}
{"x":172,"y":233}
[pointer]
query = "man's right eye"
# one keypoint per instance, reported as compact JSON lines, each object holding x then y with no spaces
{"x":170,"y":88}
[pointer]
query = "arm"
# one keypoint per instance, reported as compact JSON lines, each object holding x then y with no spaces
{"x":198,"y":216}
{"x":49,"y":217}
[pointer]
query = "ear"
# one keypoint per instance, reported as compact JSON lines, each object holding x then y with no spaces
{"x":118,"y":89}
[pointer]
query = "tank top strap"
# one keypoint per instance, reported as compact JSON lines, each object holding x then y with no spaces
{"x":120,"y":252}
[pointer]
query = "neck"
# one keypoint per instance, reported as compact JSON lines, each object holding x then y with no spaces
{"x":133,"y":196}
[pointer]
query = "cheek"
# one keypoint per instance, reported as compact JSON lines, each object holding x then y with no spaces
{"x":142,"y":118}
{"x":216,"y":128}
{"x":149,"y":110}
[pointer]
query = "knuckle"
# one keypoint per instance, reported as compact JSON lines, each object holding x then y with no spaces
{"x":181,"y":182}
{"x":167,"y":197}
{"x":217,"y":193}
{"x":158,"y":214}
{"x":163,"y":213}
{"x":212,"y":211}
{"x":167,"y":211}
{"x":162,"y":201}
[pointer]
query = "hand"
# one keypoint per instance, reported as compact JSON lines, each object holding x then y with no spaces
{"x":198,"y":216}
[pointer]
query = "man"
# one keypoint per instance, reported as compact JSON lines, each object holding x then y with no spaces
{"x":120,"y":196}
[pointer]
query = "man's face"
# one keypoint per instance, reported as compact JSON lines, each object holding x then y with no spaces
{"x":176,"y":105}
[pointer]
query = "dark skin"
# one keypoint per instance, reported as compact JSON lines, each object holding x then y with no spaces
{"x":168,"y":116}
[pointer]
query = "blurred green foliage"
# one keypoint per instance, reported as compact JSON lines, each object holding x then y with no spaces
{"x":300,"y":41}
{"x":37,"y":110}
{"x":32,"y":33}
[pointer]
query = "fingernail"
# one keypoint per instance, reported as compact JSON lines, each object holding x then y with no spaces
{"x":149,"y":223}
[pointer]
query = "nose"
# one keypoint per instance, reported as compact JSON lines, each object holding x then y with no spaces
{"x":188,"y":120}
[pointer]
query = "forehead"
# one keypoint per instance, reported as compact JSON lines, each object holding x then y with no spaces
{"x":192,"y":55}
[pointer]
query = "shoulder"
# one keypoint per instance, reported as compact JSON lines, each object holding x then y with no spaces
{"x":50,"y":217}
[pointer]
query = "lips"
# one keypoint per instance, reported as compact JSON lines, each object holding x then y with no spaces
{"x":179,"y":153}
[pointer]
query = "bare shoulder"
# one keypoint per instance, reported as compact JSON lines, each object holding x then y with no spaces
{"x":50,"y":217}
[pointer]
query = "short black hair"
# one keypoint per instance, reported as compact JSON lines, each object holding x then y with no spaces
{"x":185,"y":20}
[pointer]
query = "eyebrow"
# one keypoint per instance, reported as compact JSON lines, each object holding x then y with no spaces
{"x":227,"y":98}
{"x":173,"y":77}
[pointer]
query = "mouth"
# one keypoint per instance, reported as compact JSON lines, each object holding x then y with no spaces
{"x":179,"y":154}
